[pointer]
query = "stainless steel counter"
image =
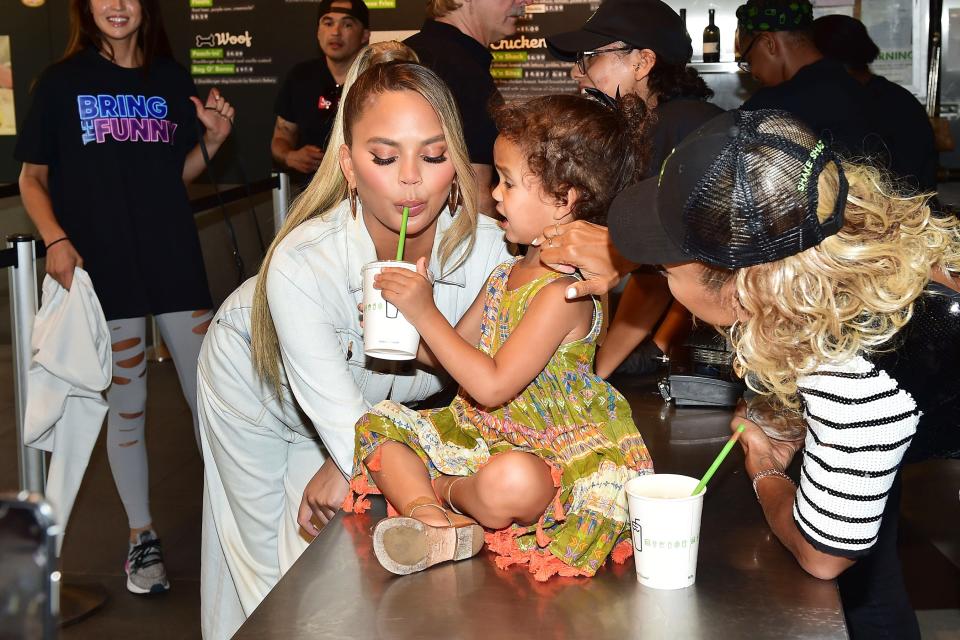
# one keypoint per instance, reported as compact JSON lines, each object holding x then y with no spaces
{"x":747,"y":585}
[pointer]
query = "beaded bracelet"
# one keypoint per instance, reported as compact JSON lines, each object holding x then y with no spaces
{"x":56,"y":241}
{"x":768,"y":473}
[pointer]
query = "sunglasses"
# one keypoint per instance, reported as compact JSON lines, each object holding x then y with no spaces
{"x":583,"y":56}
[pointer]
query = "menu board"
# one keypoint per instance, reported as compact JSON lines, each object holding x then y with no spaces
{"x":233,"y":43}
{"x":522,"y":66}
{"x":238,"y":42}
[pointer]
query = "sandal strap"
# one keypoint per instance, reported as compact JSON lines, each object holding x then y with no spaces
{"x":425,"y":501}
{"x":450,"y":498}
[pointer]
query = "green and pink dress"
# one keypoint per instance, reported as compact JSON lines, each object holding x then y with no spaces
{"x":568,"y":416}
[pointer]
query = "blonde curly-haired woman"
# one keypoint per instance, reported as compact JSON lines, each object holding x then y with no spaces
{"x":841,"y":304}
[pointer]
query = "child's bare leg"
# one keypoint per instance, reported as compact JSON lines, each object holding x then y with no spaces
{"x":512,"y":487}
{"x":403,"y":478}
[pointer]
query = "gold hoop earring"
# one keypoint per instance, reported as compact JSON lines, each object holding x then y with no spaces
{"x":454,"y":201}
{"x":353,"y":202}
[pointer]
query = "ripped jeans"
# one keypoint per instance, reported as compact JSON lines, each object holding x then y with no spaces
{"x":183,"y":333}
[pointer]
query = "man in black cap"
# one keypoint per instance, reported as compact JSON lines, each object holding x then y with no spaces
{"x":777,"y":48}
{"x":308,"y":98}
{"x":641,"y":47}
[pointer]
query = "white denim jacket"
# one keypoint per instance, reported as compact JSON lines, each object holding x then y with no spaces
{"x":313,"y":288}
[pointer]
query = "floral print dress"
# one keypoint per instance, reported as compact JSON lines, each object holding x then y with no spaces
{"x":571,"y":418}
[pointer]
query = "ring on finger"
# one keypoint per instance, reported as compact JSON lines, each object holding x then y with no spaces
{"x":550,"y":242}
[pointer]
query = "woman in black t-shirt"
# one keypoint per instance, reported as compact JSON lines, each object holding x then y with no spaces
{"x":643,"y":49}
{"x":108,"y":146}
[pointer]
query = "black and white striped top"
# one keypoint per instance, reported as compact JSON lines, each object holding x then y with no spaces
{"x":860,"y":424}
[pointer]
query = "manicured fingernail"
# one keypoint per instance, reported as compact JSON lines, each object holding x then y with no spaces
{"x":571,"y":293}
{"x":536,"y":242}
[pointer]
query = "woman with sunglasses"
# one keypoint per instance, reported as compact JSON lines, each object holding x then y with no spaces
{"x":641,"y":47}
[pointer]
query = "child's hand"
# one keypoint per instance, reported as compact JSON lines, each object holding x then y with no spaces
{"x":410,"y":292}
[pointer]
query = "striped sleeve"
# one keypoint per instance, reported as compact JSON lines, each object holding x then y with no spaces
{"x":860,"y":425}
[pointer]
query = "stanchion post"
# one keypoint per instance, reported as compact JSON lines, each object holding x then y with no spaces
{"x":281,"y":201}
{"x":23,"y":310}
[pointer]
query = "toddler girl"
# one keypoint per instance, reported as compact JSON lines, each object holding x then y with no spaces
{"x":535,"y":447}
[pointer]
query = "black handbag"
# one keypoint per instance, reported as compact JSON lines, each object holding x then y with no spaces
{"x":701,"y":372}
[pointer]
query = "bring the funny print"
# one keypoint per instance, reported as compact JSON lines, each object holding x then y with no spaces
{"x":124,"y":118}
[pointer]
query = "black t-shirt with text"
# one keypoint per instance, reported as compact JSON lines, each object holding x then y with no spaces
{"x":114,"y":141}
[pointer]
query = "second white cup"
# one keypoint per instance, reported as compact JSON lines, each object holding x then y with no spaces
{"x":386,"y":333}
{"x":665,"y":524}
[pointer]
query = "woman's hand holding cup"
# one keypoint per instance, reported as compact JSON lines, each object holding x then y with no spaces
{"x":760,"y":451}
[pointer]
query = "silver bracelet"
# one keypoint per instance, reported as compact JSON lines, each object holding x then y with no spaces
{"x":768,"y":473}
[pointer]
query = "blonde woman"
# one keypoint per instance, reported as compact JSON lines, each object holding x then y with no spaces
{"x":841,"y":302}
{"x":283,"y":377}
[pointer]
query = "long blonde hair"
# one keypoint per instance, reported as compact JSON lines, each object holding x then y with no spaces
{"x":850,"y":294}
{"x":369,"y":76}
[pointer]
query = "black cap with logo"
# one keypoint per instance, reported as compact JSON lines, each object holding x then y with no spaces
{"x":645,"y":24}
{"x":740,"y":191}
{"x":774,"y":15}
{"x":353,"y":8}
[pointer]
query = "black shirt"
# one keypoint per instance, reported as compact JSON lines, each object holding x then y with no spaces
{"x":903,"y":123}
{"x":308,"y":98}
{"x":114,"y":141}
{"x":675,"y":120}
{"x":464,"y":64}
{"x":828,"y":100}
{"x":922,"y":358}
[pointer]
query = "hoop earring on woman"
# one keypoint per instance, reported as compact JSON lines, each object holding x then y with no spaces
{"x":353,"y":202}
{"x":454,"y":200}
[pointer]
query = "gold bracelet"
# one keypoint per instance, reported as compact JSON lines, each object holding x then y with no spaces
{"x":768,"y":473}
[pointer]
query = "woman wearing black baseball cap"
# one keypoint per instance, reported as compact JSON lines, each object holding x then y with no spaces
{"x":641,"y":47}
{"x":841,"y":303}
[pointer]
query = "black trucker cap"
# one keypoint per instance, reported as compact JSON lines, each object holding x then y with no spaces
{"x":645,"y":24}
{"x":357,"y":9}
{"x":740,"y":191}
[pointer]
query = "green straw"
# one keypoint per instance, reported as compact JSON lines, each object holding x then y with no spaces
{"x":716,"y":463}
{"x":403,"y":233}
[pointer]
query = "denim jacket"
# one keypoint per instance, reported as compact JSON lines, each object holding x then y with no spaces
{"x":313,"y":287}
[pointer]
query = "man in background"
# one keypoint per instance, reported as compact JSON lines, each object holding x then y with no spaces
{"x":777,"y":48}
{"x":308,"y":98}
{"x":453,"y":43}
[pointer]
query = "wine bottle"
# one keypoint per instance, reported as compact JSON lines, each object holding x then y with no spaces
{"x":683,"y":21}
{"x":711,"y":41}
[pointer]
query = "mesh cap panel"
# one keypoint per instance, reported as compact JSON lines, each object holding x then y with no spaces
{"x":758,"y":201}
